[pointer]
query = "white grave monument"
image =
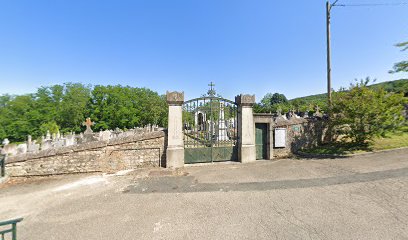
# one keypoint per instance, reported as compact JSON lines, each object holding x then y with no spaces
{"x":222,"y":127}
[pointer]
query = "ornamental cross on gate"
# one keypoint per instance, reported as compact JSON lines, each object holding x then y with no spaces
{"x":211,"y":92}
{"x":88,"y":123}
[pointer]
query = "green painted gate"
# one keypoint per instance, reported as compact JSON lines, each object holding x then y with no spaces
{"x":261,"y":131}
{"x":210,"y":129}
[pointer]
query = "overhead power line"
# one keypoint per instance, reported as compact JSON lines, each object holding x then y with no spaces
{"x":371,"y":4}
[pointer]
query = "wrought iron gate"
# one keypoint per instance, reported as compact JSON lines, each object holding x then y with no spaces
{"x":210,"y":129}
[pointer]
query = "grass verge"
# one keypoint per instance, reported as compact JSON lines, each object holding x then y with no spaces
{"x":392,"y":140}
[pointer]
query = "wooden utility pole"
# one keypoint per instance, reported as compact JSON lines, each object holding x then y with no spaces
{"x":328,"y":8}
{"x":328,"y":11}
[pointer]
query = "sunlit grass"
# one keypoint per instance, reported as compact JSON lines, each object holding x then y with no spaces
{"x":392,"y":140}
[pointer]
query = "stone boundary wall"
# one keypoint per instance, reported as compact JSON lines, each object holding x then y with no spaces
{"x":300,"y":133}
{"x":131,"y":152}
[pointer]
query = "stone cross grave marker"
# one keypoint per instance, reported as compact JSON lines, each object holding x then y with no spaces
{"x":88,"y":123}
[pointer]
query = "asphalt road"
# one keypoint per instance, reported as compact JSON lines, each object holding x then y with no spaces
{"x":361,"y":197}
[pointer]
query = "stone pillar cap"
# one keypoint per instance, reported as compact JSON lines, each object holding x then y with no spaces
{"x":245,"y":100}
{"x":175,"y":98}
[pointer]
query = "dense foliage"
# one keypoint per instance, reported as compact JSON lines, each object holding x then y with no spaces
{"x":125,"y":107}
{"x":398,"y":86}
{"x":403,"y":65}
{"x":278,"y":102}
{"x":361,"y":113}
{"x":271,"y":103}
{"x":65,"y":107}
{"x":309,"y":103}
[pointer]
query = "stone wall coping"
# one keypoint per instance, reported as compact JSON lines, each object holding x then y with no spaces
{"x":83,"y":147}
{"x":263,"y":114}
{"x":280,"y":122}
{"x":136,"y":138}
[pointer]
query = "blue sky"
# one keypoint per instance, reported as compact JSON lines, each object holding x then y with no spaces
{"x":243,"y":46}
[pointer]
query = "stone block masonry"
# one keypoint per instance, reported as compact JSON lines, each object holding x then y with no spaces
{"x":147,"y":149}
{"x":300,"y":132}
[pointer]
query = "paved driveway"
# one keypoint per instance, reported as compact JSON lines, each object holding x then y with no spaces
{"x":362,"y":197}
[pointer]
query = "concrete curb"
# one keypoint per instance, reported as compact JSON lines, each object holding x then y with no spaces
{"x":314,"y":155}
{"x":378,"y":151}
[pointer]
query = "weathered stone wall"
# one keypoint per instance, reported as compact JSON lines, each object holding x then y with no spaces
{"x":300,"y":133}
{"x":101,"y":156}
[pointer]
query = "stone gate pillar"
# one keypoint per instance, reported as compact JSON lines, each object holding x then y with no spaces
{"x":246,"y":128}
{"x":175,"y":144}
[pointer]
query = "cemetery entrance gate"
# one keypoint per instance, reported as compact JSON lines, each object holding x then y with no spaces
{"x":210,"y":129}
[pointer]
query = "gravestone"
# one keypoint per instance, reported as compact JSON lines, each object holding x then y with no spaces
{"x":70,"y":140}
{"x":139,"y":130}
{"x":222,"y":128}
{"x":10,"y":149}
{"x":306,"y":114}
{"x":32,"y":146}
{"x":58,"y":143}
{"x":48,"y":136}
{"x":5,"y":142}
{"x":117,"y":133}
{"x":88,"y":123}
{"x":289,"y":115}
{"x":46,"y":144}
{"x":296,"y":115}
{"x":22,"y":148}
{"x":80,"y":138}
{"x":88,"y":134}
{"x":104,"y":135}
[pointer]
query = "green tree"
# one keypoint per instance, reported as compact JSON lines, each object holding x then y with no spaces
{"x":282,"y":107}
{"x":403,"y":65}
{"x":259,"y":108}
{"x":125,"y":107}
{"x":4,"y":113}
{"x":52,"y":127}
{"x":271,"y":103}
{"x":362,"y":112}
{"x":18,"y":117}
{"x":64,"y":107}
{"x":73,"y":107}
{"x":278,"y":98}
{"x":266,"y":101}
